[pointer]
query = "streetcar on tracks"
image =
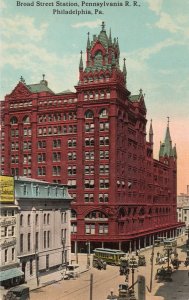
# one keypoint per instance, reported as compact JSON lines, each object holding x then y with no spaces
{"x":110,"y":256}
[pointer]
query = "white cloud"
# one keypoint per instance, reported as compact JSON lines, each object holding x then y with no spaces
{"x":90,"y":24}
{"x":23,"y":27}
{"x":155,"y":5}
{"x":166,"y":22}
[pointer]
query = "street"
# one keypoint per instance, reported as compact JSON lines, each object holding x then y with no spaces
{"x":106,"y":280}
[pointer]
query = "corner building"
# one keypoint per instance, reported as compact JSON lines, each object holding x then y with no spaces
{"x":95,"y":140}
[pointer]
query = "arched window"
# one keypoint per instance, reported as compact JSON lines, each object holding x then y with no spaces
{"x":26,"y":120}
{"x":103,"y":113}
{"x":44,"y":219}
{"x":89,"y":114}
{"x":95,"y":214}
{"x":13,"y":120}
{"x":48,"y":219}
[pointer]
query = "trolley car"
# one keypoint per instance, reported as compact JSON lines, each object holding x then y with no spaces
{"x":110,"y":256}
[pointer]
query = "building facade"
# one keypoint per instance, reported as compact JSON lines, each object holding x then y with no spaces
{"x":94,"y":139}
{"x":44,"y":226}
{"x":10,"y":273}
{"x":183,"y":207}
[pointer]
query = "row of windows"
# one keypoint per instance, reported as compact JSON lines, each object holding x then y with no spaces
{"x":90,"y":115}
{"x":46,"y":219}
{"x":25,"y":120}
{"x":7,"y":213}
{"x":103,"y":183}
{"x":57,"y":130}
{"x":58,"y":102}
{"x":57,"y":117}
{"x":96,"y":95}
{"x":46,"y":241}
{"x":26,"y":132}
{"x":90,"y":229}
{"x":89,"y":197}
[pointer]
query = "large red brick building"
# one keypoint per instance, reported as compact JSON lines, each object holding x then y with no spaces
{"x":94,"y":139}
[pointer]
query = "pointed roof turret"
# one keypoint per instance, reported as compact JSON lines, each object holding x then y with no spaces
{"x":175,"y":151}
{"x":110,"y":38}
{"x":103,"y":38}
{"x":88,"y":42}
{"x":81,"y":62}
{"x":151,"y":134}
{"x":166,"y":147}
{"x":113,"y":59}
{"x":43,"y":81}
{"x":22,"y":80}
{"x":124,"y":70}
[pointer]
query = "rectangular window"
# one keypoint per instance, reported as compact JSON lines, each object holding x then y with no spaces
{"x":103,"y":229}
{"x":13,"y":253}
{"x":44,"y":239}
{"x":21,"y":243}
{"x":36,"y":240}
{"x":90,"y":228}
{"x":6,"y":255}
{"x":29,"y":241}
{"x":74,"y":228}
{"x":31,"y":266}
{"x":12,"y":230}
{"x":48,"y":239}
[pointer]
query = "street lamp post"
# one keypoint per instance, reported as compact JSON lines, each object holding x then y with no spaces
{"x":133,"y":265}
{"x":152,"y":266}
{"x":88,"y":253}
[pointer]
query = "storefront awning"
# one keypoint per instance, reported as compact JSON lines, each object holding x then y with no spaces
{"x":10,"y":273}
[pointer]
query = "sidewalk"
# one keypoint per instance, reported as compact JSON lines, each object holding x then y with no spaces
{"x":51,"y":278}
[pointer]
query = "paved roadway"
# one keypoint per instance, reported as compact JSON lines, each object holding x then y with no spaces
{"x":103,"y":281}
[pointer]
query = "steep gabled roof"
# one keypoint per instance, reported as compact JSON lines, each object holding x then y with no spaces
{"x":39,"y":87}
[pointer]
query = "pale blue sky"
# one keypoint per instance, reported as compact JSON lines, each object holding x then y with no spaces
{"x":154,"y":38}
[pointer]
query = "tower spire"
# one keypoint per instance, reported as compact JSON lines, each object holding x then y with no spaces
{"x":88,"y":41}
{"x":81,"y":62}
{"x":124,"y":70}
{"x":110,"y":38}
{"x":103,"y":26}
{"x":151,"y":134}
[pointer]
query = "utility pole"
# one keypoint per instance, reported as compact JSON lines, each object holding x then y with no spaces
{"x":141,"y":288}
{"x":91,"y":286}
{"x":152,"y":268}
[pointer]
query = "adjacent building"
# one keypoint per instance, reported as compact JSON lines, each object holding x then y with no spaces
{"x":10,"y":273}
{"x":183,"y":207}
{"x":94,"y":140}
{"x":44,"y":226}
